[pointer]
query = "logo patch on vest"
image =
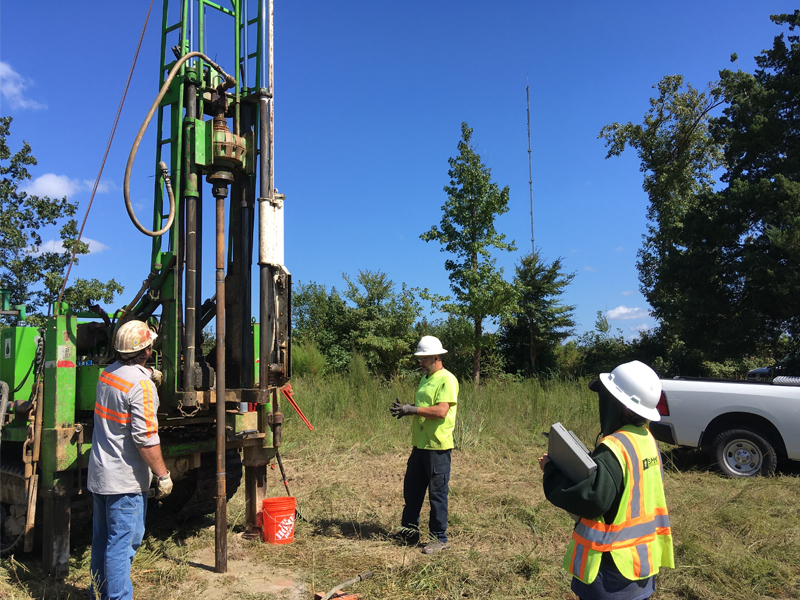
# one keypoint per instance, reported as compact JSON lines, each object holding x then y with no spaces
{"x":649,"y":462}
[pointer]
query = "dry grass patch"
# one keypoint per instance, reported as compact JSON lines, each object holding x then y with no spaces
{"x":734,"y":539}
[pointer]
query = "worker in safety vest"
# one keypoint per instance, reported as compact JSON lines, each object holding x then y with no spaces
{"x":126,"y":454}
{"x":428,"y":469}
{"x":623,"y":537}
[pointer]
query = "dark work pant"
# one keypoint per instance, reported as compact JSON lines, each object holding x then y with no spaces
{"x":427,"y":470}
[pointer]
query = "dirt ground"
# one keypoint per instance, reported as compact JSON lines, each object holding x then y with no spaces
{"x":245,"y":577}
{"x":506,"y":540}
{"x":349,"y":502}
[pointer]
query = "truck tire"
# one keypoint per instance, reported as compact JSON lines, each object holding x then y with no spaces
{"x":744,"y":453}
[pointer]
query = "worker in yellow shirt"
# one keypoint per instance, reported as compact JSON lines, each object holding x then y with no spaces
{"x":433,"y":421}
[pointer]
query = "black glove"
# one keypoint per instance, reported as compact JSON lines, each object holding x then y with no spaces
{"x":401,"y":410}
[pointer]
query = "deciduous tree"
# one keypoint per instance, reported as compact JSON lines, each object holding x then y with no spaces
{"x":35,"y":275}
{"x":319,"y":317}
{"x":678,"y":158}
{"x":369,"y":318}
{"x":719,"y":266}
{"x":467,"y":232}
{"x":381,"y":321}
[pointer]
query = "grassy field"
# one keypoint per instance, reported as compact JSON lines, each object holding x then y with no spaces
{"x":734,"y":539}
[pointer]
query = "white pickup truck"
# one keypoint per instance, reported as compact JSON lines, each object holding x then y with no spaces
{"x":745,"y":425}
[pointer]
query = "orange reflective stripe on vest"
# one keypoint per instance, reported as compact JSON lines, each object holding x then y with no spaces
{"x":148,"y":398}
{"x":112,"y":415}
{"x":116,"y":382}
{"x":640,"y":538}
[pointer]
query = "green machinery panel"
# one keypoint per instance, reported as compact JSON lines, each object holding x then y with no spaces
{"x":86,"y":386}
{"x":17,"y":353}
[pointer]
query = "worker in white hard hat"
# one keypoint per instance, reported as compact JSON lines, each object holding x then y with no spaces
{"x":623,"y":536}
{"x":428,"y":470}
{"x":125,"y":457}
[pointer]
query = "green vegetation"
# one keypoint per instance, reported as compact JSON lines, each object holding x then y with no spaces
{"x":734,"y":539}
{"x":467,"y":233}
{"x":540,"y":323}
{"x":34,"y":274}
{"x":719,"y":264}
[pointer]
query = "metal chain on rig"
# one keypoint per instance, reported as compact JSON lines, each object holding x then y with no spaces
{"x":30,"y":434}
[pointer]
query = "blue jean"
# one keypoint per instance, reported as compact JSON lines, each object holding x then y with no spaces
{"x":427,"y":470}
{"x":117,"y":532}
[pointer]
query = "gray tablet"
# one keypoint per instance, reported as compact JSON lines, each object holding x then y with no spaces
{"x":569,"y":454}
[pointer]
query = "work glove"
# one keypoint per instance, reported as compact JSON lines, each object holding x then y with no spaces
{"x":401,"y":410}
{"x":157,"y":376}
{"x":163,"y":486}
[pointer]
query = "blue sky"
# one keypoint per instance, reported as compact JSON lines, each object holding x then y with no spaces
{"x":369,"y":100}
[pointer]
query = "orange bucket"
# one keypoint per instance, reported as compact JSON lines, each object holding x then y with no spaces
{"x":277,"y":519}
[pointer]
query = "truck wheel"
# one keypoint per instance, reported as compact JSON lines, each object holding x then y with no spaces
{"x":744,"y":453}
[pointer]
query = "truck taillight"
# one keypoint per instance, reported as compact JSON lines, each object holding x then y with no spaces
{"x":662,"y":407}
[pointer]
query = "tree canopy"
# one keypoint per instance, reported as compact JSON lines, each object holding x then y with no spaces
{"x":467,"y":232}
{"x":32,"y":274}
{"x":540,"y":321}
{"x":369,"y":318}
{"x":719,"y":264}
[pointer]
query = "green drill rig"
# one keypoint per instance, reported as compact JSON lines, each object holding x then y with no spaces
{"x":219,"y":412}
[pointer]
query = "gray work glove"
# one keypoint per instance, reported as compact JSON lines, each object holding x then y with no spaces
{"x":157,"y":377}
{"x":163,"y":486}
{"x":401,"y":410}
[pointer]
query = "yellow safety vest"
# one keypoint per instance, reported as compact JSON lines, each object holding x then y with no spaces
{"x":639,"y":538}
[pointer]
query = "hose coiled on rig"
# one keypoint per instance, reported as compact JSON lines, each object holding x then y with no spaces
{"x":229,"y":82}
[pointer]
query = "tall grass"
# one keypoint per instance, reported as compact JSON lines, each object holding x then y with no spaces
{"x":734,"y":539}
{"x":353,"y":410}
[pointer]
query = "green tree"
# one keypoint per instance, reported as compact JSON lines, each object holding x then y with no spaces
{"x":369,"y":318}
{"x":381,"y":321}
{"x":719,"y":266}
{"x":468,"y":233}
{"x":541,"y":321}
{"x":603,"y":349}
{"x":33,"y":275}
{"x":320,"y":318}
{"x":758,"y":220}
{"x":678,"y":157}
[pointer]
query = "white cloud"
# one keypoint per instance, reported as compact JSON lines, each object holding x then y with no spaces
{"x":58,"y":186}
{"x":590,"y":268}
{"x":102,"y":188}
{"x":55,"y":186}
{"x":95,"y":247}
{"x":619,"y":248}
{"x":628,"y":293}
{"x":639,"y":328}
{"x":623,"y":312}
{"x":12,"y":89}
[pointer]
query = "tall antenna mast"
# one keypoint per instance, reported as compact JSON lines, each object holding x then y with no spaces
{"x":530,"y":168}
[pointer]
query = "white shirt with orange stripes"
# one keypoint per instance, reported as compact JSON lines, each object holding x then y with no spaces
{"x":124,"y":421}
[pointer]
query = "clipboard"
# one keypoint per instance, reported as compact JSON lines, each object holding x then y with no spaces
{"x":569,"y":454}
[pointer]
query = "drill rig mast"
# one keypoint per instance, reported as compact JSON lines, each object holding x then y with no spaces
{"x":215,"y":145}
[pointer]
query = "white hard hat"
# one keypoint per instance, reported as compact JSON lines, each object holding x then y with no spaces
{"x":133,"y":336}
{"x":429,"y":346}
{"x":637,"y":386}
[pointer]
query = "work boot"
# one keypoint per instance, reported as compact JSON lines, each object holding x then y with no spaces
{"x":435,"y":547}
{"x":408,"y":536}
